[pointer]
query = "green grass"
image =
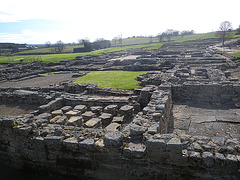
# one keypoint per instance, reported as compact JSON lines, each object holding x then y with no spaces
{"x":236,"y":54}
{"x":112,"y":79}
{"x":66,"y":56}
{"x":68,"y":49}
{"x":128,"y":44}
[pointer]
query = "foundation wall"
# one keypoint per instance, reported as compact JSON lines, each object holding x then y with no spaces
{"x":158,"y":156}
{"x":216,"y":94}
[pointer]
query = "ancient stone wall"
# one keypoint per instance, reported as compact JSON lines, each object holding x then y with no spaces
{"x":216,"y":94}
{"x":101,"y":155}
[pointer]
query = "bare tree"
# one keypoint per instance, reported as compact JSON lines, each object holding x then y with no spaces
{"x":48,"y":44}
{"x":160,"y":37}
{"x":238,"y":30}
{"x":150,"y":39}
{"x":120,"y":40}
{"x":224,"y":29}
{"x":169,"y":34}
{"x":58,"y":47}
{"x":115,"y":39}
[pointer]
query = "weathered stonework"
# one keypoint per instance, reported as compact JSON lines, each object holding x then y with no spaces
{"x":154,"y":132}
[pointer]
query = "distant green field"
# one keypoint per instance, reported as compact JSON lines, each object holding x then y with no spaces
{"x":129,"y":43}
{"x":68,"y":49}
{"x":66,"y":56}
{"x":112,"y":79}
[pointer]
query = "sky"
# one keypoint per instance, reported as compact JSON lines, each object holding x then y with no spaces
{"x":36,"y":22}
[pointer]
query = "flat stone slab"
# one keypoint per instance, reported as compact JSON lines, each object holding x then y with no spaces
{"x":208,"y":122}
{"x":55,"y":119}
{"x":66,"y":109}
{"x":118,"y":119}
{"x":44,"y":116}
{"x":113,"y":138}
{"x":72,"y":113}
{"x":96,"y":109}
{"x":182,"y":124}
{"x":93,"y":123}
{"x":113,"y":127}
{"x":106,"y":118}
{"x":111,"y":109}
{"x":81,"y":108}
{"x":75,"y":121}
{"x":88,"y":115}
{"x":203,"y":119}
{"x":57,"y":112}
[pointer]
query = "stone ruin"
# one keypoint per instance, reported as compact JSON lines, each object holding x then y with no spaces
{"x":183,"y":124}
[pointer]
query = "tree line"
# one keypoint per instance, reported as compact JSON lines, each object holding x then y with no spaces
{"x":223,"y":32}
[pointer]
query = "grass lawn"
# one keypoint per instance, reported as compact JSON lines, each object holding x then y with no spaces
{"x":112,"y":79}
{"x":236,"y":54}
{"x":67,"y":56}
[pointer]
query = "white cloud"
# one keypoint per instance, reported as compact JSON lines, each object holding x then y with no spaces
{"x":108,"y":18}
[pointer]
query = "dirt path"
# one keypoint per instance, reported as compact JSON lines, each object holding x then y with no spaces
{"x":227,"y":49}
{"x":16,"y":109}
{"x":51,"y":79}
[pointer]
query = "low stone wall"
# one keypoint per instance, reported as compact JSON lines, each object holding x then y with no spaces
{"x":159,"y":110}
{"x":216,"y":94}
{"x":104,"y":155}
{"x":25,"y":96}
{"x":94,"y":89}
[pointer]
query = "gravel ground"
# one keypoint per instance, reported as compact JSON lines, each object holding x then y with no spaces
{"x":235,"y":72}
{"x":16,"y":109}
{"x":39,"y":81}
{"x":20,"y":109}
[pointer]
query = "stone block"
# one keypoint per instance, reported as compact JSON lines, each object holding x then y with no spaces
{"x":66,"y":109}
{"x":81,"y":108}
{"x":52,"y":105}
{"x":87,"y":144}
{"x":72,"y":113}
{"x":195,"y":158}
{"x":113,"y":139}
{"x":111,"y":109}
{"x":46,"y":116}
{"x":57,"y":112}
{"x":88,"y":115}
{"x":53,"y":142}
{"x":197,"y":147}
{"x":153,"y":129}
{"x":75,"y":121}
{"x":208,"y":160}
{"x":136,"y":131}
{"x":118,"y":120}
{"x":106,"y":118}
{"x":160,"y":107}
{"x":134,"y":150}
{"x":7,"y":122}
{"x":220,"y":159}
{"x":126,"y":111}
{"x":62,"y":120}
{"x":113,"y":127}
{"x":93,"y":123}
{"x":154,"y":145}
{"x":55,"y":119}
{"x":96,"y":109}
{"x":174,"y":146}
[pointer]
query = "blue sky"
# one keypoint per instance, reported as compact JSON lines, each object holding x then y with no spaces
{"x":37,"y":25}
{"x":29,"y":21}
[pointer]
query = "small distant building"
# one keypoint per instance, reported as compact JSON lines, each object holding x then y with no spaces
{"x":100,"y":44}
